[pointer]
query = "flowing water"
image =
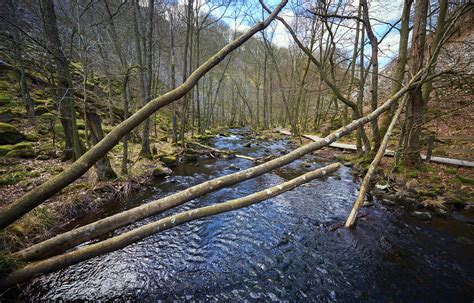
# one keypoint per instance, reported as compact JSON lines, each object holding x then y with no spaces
{"x":285,"y":248}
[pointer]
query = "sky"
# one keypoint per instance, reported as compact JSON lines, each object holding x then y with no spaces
{"x":249,"y":12}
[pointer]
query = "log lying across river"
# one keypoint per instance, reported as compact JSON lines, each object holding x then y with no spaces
{"x":388,"y":152}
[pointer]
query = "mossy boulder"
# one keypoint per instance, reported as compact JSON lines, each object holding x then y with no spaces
{"x":9,"y":134}
{"x":161,"y":171}
{"x":4,"y":149}
{"x":80,"y":124}
{"x":169,"y":160}
{"x":5,"y":99}
{"x":21,"y":150}
{"x":39,"y":110}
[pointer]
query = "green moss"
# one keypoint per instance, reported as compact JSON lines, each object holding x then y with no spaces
{"x":23,"y":145}
{"x":4,"y":149}
{"x":21,"y":153}
{"x":12,"y":178}
{"x":32,"y":137}
{"x":47,"y":103}
{"x":169,"y":160}
{"x":80,"y":124}
{"x":5,"y":99}
{"x":412,"y":174}
{"x":107,"y":129}
{"x":41,"y":109}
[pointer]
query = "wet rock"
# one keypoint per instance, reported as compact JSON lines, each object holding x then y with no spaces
{"x":348,"y":164}
{"x":233,"y":167}
{"x":388,"y":202}
{"x":412,"y":185}
{"x":464,"y":240}
{"x":454,"y":200}
{"x":469,"y":207}
{"x":248,"y":144}
{"x":441,"y":212}
{"x":9,"y":134}
{"x":192,"y":158}
{"x":161,"y":171}
{"x":422,"y":215}
{"x":367,"y":204}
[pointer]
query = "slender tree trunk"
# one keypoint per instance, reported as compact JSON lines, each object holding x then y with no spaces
{"x":103,"y":168}
{"x":416,"y":106}
{"x":375,"y":74}
{"x":401,"y":61}
{"x":74,"y":148}
{"x":18,"y":52}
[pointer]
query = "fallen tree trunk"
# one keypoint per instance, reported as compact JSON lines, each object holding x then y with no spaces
{"x":388,"y":152}
{"x":74,"y":237}
{"x":35,"y":197}
{"x":58,"y":262}
{"x":225,"y":152}
{"x":380,"y":153}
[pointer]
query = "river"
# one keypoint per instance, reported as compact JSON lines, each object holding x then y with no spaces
{"x":285,"y":248}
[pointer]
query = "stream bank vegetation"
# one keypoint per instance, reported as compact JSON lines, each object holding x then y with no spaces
{"x":99,"y":97}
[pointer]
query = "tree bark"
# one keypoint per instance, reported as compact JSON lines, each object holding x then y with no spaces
{"x":401,"y":61}
{"x":375,"y":162}
{"x":103,"y":168}
{"x":375,"y":73}
{"x":74,"y":148}
{"x":416,"y":106}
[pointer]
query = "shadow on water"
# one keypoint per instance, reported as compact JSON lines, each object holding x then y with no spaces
{"x":282,"y":249}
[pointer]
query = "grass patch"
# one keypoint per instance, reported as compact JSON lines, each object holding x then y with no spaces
{"x":465,"y":180}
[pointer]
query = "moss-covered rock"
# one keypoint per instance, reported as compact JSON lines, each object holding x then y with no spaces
{"x":39,"y":110}
{"x":5,"y":99}
{"x":21,"y":153}
{"x":80,"y":124}
{"x":169,"y":160}
{"x":21,"y":150}
{"x":9,"y":134}
{"x":161,"y":171}
{"x":4,"y":149}
{"x":32,"y":137}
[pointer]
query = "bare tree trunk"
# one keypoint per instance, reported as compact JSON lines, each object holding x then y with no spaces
{"x":18,"y":52}
{"x":375,"y":73}
{"x":416,"y":105}
{"x":103,"y":168}
{"x":375,"y":162}
{"x":401,"y":61}
{"x":74,"y":148}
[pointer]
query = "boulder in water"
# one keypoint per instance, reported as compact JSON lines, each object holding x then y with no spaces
{"x":422,"y":215}
{"x":161,"y":171}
